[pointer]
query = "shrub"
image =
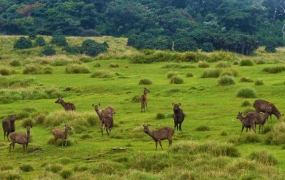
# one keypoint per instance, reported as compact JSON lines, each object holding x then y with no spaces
{"x":32,"y":69}
{"x":102,"y":74}
{"x":260,"y":61}
{"x":223,"y":64}
{"x":246,"y":62}
{"x":23,"y":43}
{"x":211,"y":73}
{"x":47,"y":51}
{"x":77,"y":69}
{"x":274,"y":70}
{"x":86,"y":59}
{"x":59,"y":40}
{"x":26,"y":168}
{"x":203,"y":64}
{"x":245,"y":103}
{"x":226,"y":80}
{"x":246,"y":92}
{"x":40,"y":41}
{"x":258,"y":82}
{"x":92,"y":48}
{"x":189,"y":74}
{"x":114,"y":65}
{"x":65,"y":174}
{"x":251,"y":138}
{"x":145,"y":82}
{"x":47,"y":70}
{"x":176,"y":80}
{"x":6,"y":71}
{"x":245,"y":79}
{"x":171,"y":74}
{"x":15,"y":63}
{"x":207,"y":47}
{"x":263,"y":156}
{"x":229,"y":72}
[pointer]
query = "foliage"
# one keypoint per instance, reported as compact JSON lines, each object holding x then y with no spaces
{"x":211,"y":73}
{"x":23,"y":43}
{"x":226,"y":80}
{"x":40,"y":41}
{"x":145,"y":82}
{"x":92,"y":48}
{"x":59,"y":40}
{"x":77,"y":69}
{"x":246,"y":92}
{"x":48,"y":51}
{"x":274,"y":70}
{"x":176,"y":80}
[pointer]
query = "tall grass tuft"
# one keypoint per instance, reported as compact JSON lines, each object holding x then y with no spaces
{"x":246,"y":62}
{"x":15,"y":63}
{"x":66,"y":174}
{"x":32,"y":69}
{"x":176,"y":80}
{"x":246,"y":92}
{"x":226,"y":81}
{"x":189,"y":74}
{"x":277,"y":135}
{"x":223,"y":64}
{"x":211,"y":73}
{"x":171,"y":74}
{"x":258,"y":82}
{"x":263,"y":156}
{"x":6,"y":71}
{"x":145,"y":82}
{"x":245,"y":79}
{"x":203,"y":64}
{"x":55,"y":168}
{"x":229,"y":72}
{"x":77,"y":69}
{"x":245,"y":103}
{"x":102,"y":74}
{"x":26,"y":168}
{"x":274,"y":70}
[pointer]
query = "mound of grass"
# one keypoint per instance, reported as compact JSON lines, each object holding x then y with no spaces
{"x":160,"y":116}
{"x":65,"y":174}
{"x":114,"y":65}
{"x":274,"y":70}
{"x":229,"y":72}
{"x":177,"y":66}
{"x":33,"y":69}
{"x":246,"y":62}
{"x":223,"y":64}
{"x":6,"y":71}
{"x":263,"y":156}
{"x":171,"y":74}
{"x":15,"y":63}
{"x":245,"y":103}
{"x":226,"y":81}
{"x":277,"y":135}
{"x":145,"y":82}
{"x":176,"y":80}
{"x":77,"y":69}
{"x":203,"y":128}
{"x":27,"y":122}
{"x":26,"y":167}
{"x":189,"y":74}
{"x":245,"y":79}
{"x":211,"y":73}
{"x":102,"y":74}
{"x":247,"y":92}
{"x":55,"y":168}
{"x":252,"y":138}
{"x":203,"y":64}
{"x":59,"y":62}
{"x":259,"y":82}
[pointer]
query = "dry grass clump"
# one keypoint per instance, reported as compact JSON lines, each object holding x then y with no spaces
{"x":77,"y":69}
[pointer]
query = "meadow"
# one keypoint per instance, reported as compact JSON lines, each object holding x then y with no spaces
{"x":212,"y":88}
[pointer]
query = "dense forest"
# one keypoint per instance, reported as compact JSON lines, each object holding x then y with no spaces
{"x":182,"y":25}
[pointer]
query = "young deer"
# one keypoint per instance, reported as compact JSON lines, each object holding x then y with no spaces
{"x":61,"y":134}
{"x":20,"y":138}
{"x":144,"y":99}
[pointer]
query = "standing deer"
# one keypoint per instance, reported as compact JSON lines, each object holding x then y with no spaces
{"x":260,"y":106}
{"x":106,"y":117}
{"x":261,"y":117}
{"x":20,"y":138}
{"x":144,"y":100}
{"x":178,"y":116}
{"x":160,"y":134}
{"x":66,"y":105}
{"x":61,"y":134}
{"x":246,"y":122}
{"x":9,"y":125}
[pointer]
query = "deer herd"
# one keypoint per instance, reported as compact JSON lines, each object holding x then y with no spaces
{"x":263,"y":110}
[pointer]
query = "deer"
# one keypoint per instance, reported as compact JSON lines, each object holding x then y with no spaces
{"x":261,"y":117}
{"x":61,"y":134}
{"x":178,"y":116}
{"x":247,"y":122}
{"x":9,"y":125}
{"x":66,"y":105}
{"x":144,"y":99}
{"x":260,"y":106}
{"x":20,"y":138}
{"x":160,"y":134}
{"x":106,"y":117}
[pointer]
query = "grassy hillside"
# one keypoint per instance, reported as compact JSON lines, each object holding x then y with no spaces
{"x":209,"y":147}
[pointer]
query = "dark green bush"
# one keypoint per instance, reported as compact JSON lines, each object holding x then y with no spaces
{"x":246,"y":92}
{"x":246,"y":62}
{"x":226,"y":80}
{"x":207,"y":47}
{"x":48,"y":51}
{"x":92,"y":48}
{"x":23,"y":43}
{"x":145,"y":82}
{"x":274,"y":70}
{"x":59,"y":40}
{"x":65,"y":174}
{"x":245,"y":103}
{"x":40,"y":41}
{"x":160,"y":116}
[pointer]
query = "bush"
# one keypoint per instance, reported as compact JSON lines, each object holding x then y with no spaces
{"x":59,"y":40}
{"x":15,"y":63}
{"x":203,"y":64}
{"x":27,"y":122}
{"x":26,"y":168}
{"x":171,"y":74}
{"x":245,"y":103}
{"x":229,"y":72}
{"x":92,"y":48}
{"x":246,"y":62}
{"x":207,"y":47}
{"x":65,"y":174}
{"x":211,"y":73}
{"x":245,"y":79}
{"x":176,"y":80}
{"x":6,"y":71}
{"x":145,"y":82}
{"x":48,"y":51}
{"x":263,"y":156}
{"x":114,"y":65}
{"x":189,"y":74}
{"x":274,"y":70}
{"x":102,"y":74}
{"x":40,"y":41}
{"x":32,"y":69}
{"x":23,"y":43}
{"x":160,"y":116}
{"x":259,"y":82}
{"x":246,"y":92}
{"x":77,"y":69}
{"x":223,"y":64}
{"x":226,"y":80}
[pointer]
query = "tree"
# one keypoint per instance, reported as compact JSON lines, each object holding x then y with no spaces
{"x":23,"y":43}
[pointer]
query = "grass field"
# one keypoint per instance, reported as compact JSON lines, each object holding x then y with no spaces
{"x":209,"y":147}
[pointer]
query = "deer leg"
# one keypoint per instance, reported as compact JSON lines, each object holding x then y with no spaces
{"x":160,"y":145}
{"x":156,"y":145}
{"x":170,"y":142}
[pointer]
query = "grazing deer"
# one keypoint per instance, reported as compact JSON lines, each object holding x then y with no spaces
{"x":66,"y":105}
{"x":160,"y":134}
{"x":144,"y":100}
{"x":20,"y":138}
{"x":247,"y":122}
{"x":260,"y":106}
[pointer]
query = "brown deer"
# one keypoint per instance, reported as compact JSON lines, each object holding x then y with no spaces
{"x":106,"y":117}
{"x":178,"y":116}
{"x":61,"y":134}
{"x":261,"y":117}
{"x":66,"y":105}
{"x":20,"y":138}
{"x":246,"y":122}
{"x":9,"y":125}
{"x":160,"y":134}
{"x":260,"y":106}
{"x":144,"y":100}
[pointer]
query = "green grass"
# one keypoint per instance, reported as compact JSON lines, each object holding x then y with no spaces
{"x":209,"y":147}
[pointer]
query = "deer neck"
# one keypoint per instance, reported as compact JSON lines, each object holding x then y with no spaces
{"x":65,"y":132}
{"x":62,"y":103}
{"x":151,"y":134}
